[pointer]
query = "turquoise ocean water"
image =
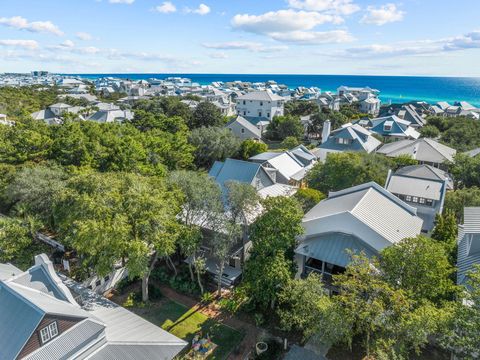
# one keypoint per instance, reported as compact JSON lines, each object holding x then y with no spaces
{"x":393,"y":88}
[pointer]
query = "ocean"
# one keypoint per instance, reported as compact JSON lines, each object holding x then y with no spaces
{"x":395,"y":89}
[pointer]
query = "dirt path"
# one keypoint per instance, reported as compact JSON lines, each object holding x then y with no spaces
{"x":251,"y":332}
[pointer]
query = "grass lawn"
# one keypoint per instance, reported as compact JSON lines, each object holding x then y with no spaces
{"x":185,"y":323}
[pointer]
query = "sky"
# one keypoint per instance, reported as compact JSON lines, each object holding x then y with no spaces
{"x":351,"y":37}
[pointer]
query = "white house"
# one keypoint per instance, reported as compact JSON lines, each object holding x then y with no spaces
{"x":260,"y":104}
{"x":364,"y":218}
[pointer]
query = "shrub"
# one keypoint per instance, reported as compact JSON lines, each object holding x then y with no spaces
{"x":123,"y":284}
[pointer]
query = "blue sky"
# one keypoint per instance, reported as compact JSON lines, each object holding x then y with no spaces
{"x":377,"y":37}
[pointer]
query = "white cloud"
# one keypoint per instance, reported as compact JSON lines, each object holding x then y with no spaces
{"x":25,"y":44}
{"x":245,"y":45}
{"x":415,"y":48}
{"x":282,"y":21}
{"x":383,"y":15}
{"x":218,"y":55}
{"x":342,"y":7}
{"x":128,"y":2}
{"x":83,"y":36}
{"x":314,"y":37}
{"x":21,"y":23}
{"x":166,"y":8}
{"x":201,"y":10}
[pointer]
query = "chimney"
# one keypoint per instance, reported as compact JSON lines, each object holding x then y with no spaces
{"x":326,"y":131}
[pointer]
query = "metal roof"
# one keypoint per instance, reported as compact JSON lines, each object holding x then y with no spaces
{"x":7,"y":271}
{"x":421,"y":149}
{"x":261,"y":96}
{"x":404,"y":185}
{"x":468,"y":243}
{"x":426,"y":172}
{"x":334,"y":248}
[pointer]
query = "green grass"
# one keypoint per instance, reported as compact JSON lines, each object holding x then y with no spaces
{"x":185,"y":323}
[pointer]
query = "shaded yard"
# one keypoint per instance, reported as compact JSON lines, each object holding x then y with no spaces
{"x":185,"y":323}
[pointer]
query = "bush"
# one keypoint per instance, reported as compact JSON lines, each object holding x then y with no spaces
{"x":308,"y":198}
{"x":207,"y":297}
{"x":123,"y":284}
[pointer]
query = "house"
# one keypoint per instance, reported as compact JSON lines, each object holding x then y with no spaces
{"x":286,"y":167}
{"x":393,"y":128}
{"x":54,"y":113}
{"x":409,"y":113}
{"x":468,"y":244}
{"x":48,"y":316}
{"x":370,"y":105}
{"x":423,"y":187}
{"x":424,"y":150}
{"x":263,"y":181}
{"x":111,"y":115}
{"x":260,"y":104}
{"x":244,"y":129}
{"x":364,"y":218}
{"x":347,"y":138}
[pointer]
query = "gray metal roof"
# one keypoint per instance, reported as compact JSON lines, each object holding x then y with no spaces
{"x":468,"y":243}
{"x":7,"y":271}
{"x":423,"y":149}
{"x":334,"y":248}
{"x":234,"y":170}
{"x":37,"y":278}
{"x":240,"y":120}
{"x":83,"y":335}
{"x":404,"y":185}
{"x":426,"y":172}
{"x":370,"y":205}
{"x":18,"y":315}
{"x":136,"y":352}
{"x":260,"y":96}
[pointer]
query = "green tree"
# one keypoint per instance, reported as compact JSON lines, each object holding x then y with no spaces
{"x":305,"y":306}
{"x":420,"y":267}
{"x":213,"y":144}
{"x":429,"y":131}
{"x":282,"y":127}
{"x":201,"y":207}
{"x":18,"y":243}
{"x":308,"y":198}
{"x":445,"y":232}
{"x":273,"y":236}
{"x":249,"y":148}
{"x":343,"y":170}
{"x":466,"y":171}
{"x":34,"y":191}
{"x":113,"y":217}
{"x":463,"y":335}
{"x":290,"y":142}
{"x":457,"y":200}
{"x":300,"y":108}
{"x":207,"y":114}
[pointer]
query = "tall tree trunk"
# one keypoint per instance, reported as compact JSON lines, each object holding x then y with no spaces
{"x":169,"y":259}
{"x":146,"y":277}
{"x":199,"y":282}
{"x":219,"y":284}
{"x":192,"y":277}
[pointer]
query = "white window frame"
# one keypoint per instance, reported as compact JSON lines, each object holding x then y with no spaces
{"x":49,"y":332}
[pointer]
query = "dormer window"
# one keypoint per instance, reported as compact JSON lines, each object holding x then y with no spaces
{"x":48,"y":332}
{"x":387,"y":126}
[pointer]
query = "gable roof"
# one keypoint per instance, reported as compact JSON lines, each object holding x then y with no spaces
{"x":235,"y":170}
{"x":372,"y":206}
{"x":247,"y":125}
{"x":362,"y":139}
{"x":422,"y":149}
{"x":468,"y":236}
{"x":427,"y":172}
{"x":24,"y":303}
{"x":260,"y":96}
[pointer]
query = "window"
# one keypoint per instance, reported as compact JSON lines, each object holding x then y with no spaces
{"x":343,"y":141}
{"x":244,"y":113}
{"x":244,"y":102}
{"x":259,"y":114}
{"x":421,"y":201}
{"x":387,"y":128}
{"x":429,"y":202}
{"x":415,"y":199}
{"x":106,"y":278}
{"x":48,"y":332}
{"x":98,"y":282}
{"x":243,"y":131}
{"x":408,"y":198}
{"x":261,"y":103}
{"x":268,"y":115}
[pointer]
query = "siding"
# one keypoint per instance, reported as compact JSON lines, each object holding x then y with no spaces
{"x":64,"y":323}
